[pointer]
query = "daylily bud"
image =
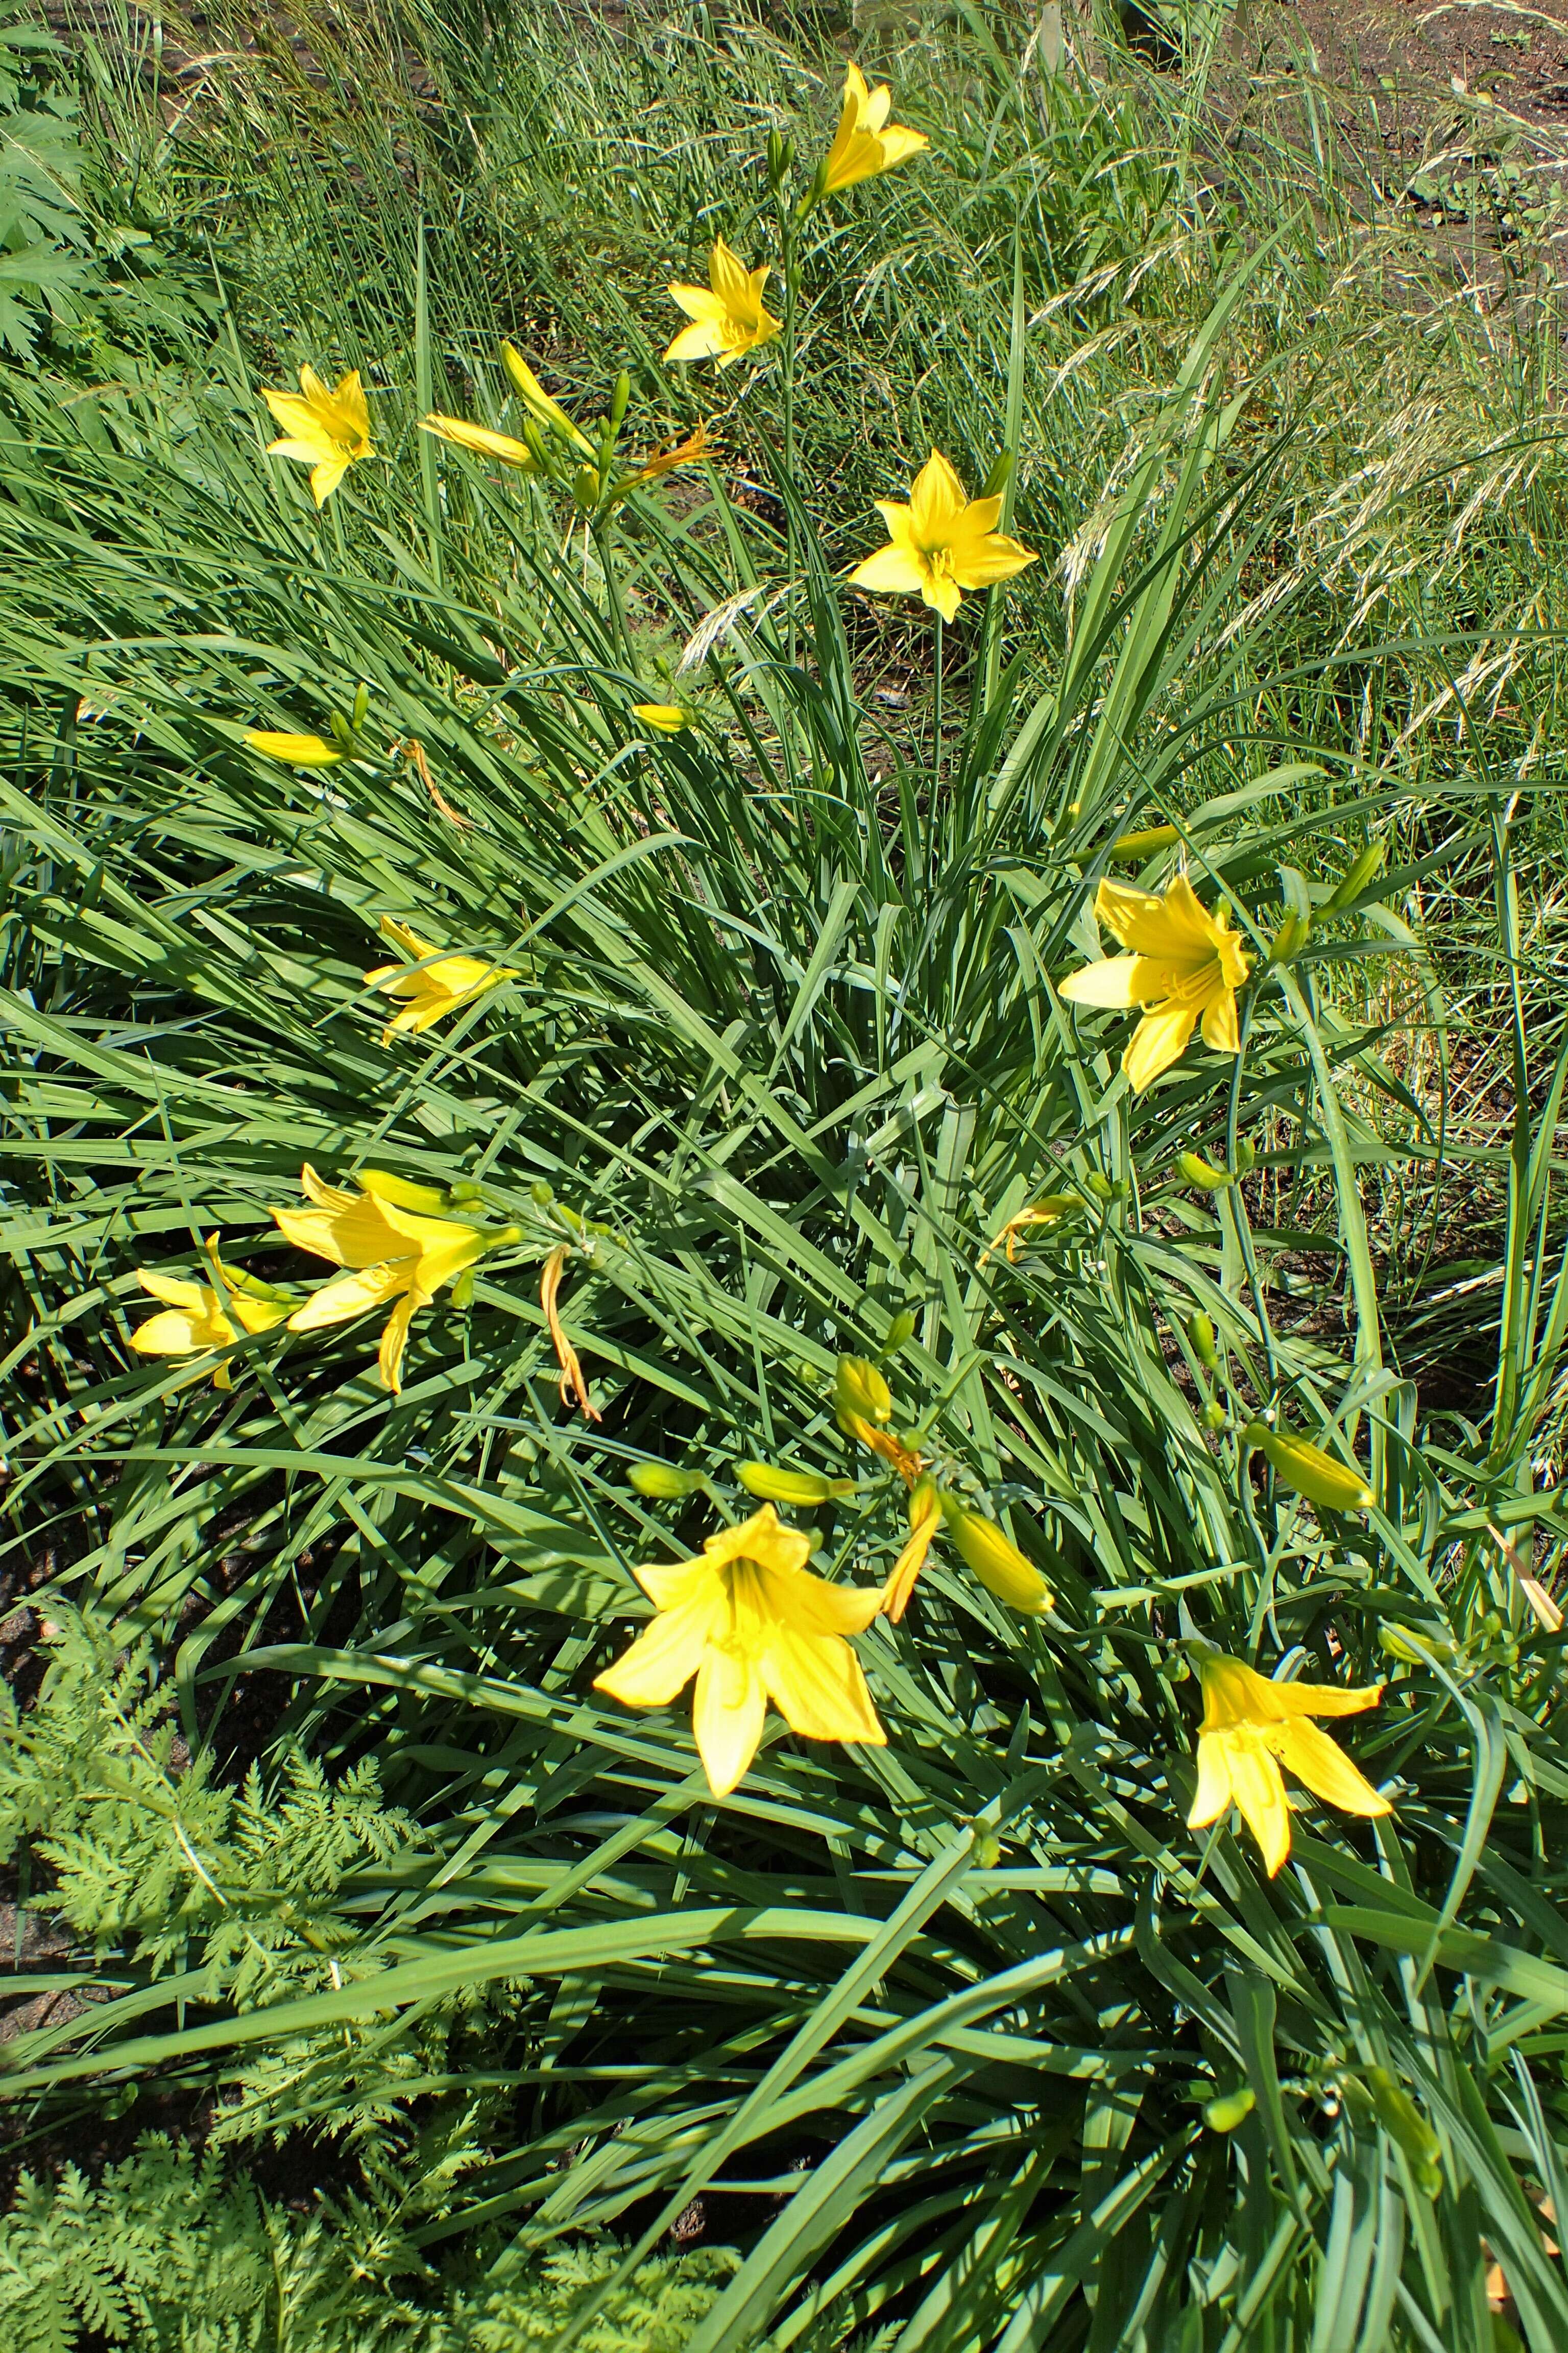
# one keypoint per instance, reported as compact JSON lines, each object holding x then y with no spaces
{"x":858,"y":1389}
{"x":294,"y":751}
{"x":900,"y":1329}
{"x":1214,"y":1416}
{"x":1201,"y":1333}
{"x":661,"y":1483}
{"x":1354,"y":881}
{"x":1197,"y":1171}
{"x":585,"y":488}
{"x":361,"y":704}
{"x":997,"y":480}
{"x":997,"y":1561}
{"x":539,"y":1194}
{"x":1230,"y":2110}
{"x":1291,"y":936}
{"x":1408,"y":2129}
{"x":1100,"y":1187}
{"x":1321,"y":1477}
{"x":427,"y":1200}
{"x":1246,"y":1157}
{"x":1400,"y":1646}
{"x":620,"y":400}
{"x":986,"y":1851}
{"x":1136,"y":848}
{"x":771,"y":1484}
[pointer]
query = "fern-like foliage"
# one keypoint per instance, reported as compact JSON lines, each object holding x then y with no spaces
{"x":167,"y":2255}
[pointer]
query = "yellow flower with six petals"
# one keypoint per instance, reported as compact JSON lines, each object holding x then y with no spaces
{"x":201,"y":1316}
{"x":1250,"y":1728}
{"x":727,"y":315}
{"x":943,"y":542}
{"x":752,"y":1623}
{"x":1186,"y":965}
{"x":434,"y":985}
{"x":866,"y":144}
{"x":328,"y":431}
{"x":392,"y":1250}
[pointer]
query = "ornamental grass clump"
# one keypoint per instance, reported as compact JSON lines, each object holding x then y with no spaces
{"x":802,"y":1695}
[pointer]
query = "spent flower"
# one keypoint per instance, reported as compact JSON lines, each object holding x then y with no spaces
{"x":434,"y":983}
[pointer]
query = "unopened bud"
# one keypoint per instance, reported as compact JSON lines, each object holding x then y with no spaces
{"x":1197,"y":1171}
{"x":1201,"y":1333}
{"x":997,"y":478}
{"x":1214,"y":1416}
{"x":1230,"y":2110}
{"x":901,"y":1329}
{"x":771,"y":1484}
{"x":361,"y":704}
{"x":1137,"y":848}
{"x":859,"y":1389}
{"x":661,"y":1483}
{"x":1291,"y":937}
{"x":1356,"y":878}
{"x":997,"y":1561}
{"x":1246,"y":1157}
{"x":1321,"y":1477}
{"x":1408,"y":2129}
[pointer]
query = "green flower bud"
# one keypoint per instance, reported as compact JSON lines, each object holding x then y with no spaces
{"x":1197,"y":1171}
{"x":997,"y":480}
{"x":1356,"y":878}
{"x":661,"y":1483}
{"x":1246,"y":1157}
{"x":619,"y":400}
{"x":1399,"y":1645}
{"x":900,"y":1330}
{"x":1100,"y":1187}
{"x":1408,"y":2129}
{"x":986,"y":1851}
{"x":1291,"y":938}
{"x":997,"y":1561}
{"x":772,"y":1485}
{"x":1230,"y":2110}
{"x":1137,"y":848}
{"x":361,"y":704}
{"x":1321,"y":1477}
{"x":858,"y":1389}
{"x":1214,"y":1416}
{"x":1201,"y":1333}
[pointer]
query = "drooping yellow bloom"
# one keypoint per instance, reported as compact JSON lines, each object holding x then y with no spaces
{"x":481,"y":440}
{"x":752,"y":1623}
{"x":328,"y":431}
{"x":727,"y":315}
{"x":1050,"y":1211}
{"x":432,"y":989}
{"x":925,"y":1519}
{"x":1250,"y":1728}
{"x":573,"y":1386}
{"x":199,"y":1316}
{"x":861,"y":1400}
{"x":866,"y":142}
{"x":693,"y":449}
{"x":1186,"y":965}
{"x":943,"y":542}
{"x":392,"y":1250}
{"x":665,"y":718}
{"x":295,"y":751}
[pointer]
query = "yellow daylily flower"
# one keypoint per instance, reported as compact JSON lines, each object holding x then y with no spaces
{"x":727,"y":317}
{"x":1050,"y":1211}
{"x":752,"y":1623}
{"x":666,"y":718}
{"x":391,"y":1251}
{"x":866,"y":144}
{"x":544,"y":411}
{"x":1250,"y":1728}
{"x":295,"y":751}
{"x":433,"y":989}
{"x":200,"y":1316}
{"x":480,"y":438}
{"x":1186,"y":965}
{"x":943,"y":542}
{"x":328,"y":431}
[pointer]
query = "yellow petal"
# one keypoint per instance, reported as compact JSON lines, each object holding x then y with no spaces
{"x":1160,"y":1040}
{"x":1114,"y":984}
{"x":899,"y":143}
{"x":810,"y":1605}
{"x":940,"y":590}
{"x":1153,"y":923}
{"x":891,"y":572}
{"x":663,"y":1659}
{"x":172,"y":1288}
{"x":294,"y":751}
{"x":672,"y":1585}
{"x":936,"y":499}
{"x":730,"y":279}
{"x":325,"y":478}
{"x":667,"y":717}
{"x":925,"y":1518}
{"x":394,"y":1340}
{"x":704,"y":341}
{"x":1222,"y":1031}
{"x":172,"y":1333}
{"x":978,"y":564}
{"x":763,"y":1539}
{"x":1213,"y":1796}
{"x":1259,"y":1788}
{"x":352,"y":1294}
{"x":818,"y":1687}
{"x":1325,"y":1768}
{"x":727,"y":1715}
